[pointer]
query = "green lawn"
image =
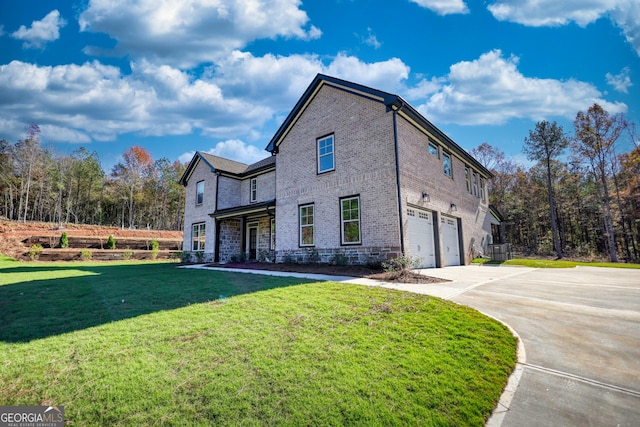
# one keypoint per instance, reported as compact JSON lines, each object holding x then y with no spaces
{"x":548,"y":263}
{"x":135,"y":344}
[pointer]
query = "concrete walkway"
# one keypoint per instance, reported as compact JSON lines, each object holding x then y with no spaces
{"x":580,"y":328}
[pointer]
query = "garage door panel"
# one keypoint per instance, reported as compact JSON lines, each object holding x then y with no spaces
{"x":420,"y":227}
{"x":450,"y":240}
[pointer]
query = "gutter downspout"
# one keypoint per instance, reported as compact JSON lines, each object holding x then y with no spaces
{"x":397,"y":150}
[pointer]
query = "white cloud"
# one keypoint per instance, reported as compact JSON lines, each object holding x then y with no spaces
{"x":443,"y":7}
{"x":538,"y":13}
{"x":191,"y":32}
{"x":233,"y":149}
{"x":491,"y":90}
{"x":370,"y":39}
{"x":234,"y":100}
{"x":41,"y":32}
{"x":620,"y":82}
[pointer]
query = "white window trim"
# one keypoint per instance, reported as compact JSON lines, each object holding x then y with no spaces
{"x":196,"y":236}
{"x":332,"y":153}
{"x":475,"y":185}
{"x":343,"y":221}
{"x":253,"y":190}
{"x":467,"y":179}
{"x":301,"y":226}
{"x":483,"y":188}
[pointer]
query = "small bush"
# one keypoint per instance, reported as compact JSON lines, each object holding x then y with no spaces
{"x":35,"y":251}
{"x":127,"y":254}
{"x":199,"y":257}
{"x":313,"y":256}
{"x":288,"y":258}
{"x":111,"y":242}
{"x":155,"y":245}
{"x":339,"y":258}
{"x":263,"y":255}
{"x":241,"y":257}
{"x":185,"y":256}
{"x":400,"y":264}
{"x":64,"y":240}
{"x":86,"y":255}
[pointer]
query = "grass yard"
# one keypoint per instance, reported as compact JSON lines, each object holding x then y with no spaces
{"x":561,"y":263}
{"x":135,"y":344}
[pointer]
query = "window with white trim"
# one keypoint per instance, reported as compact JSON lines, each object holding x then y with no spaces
{"x":199,"y":192}
{"x":446,"y":164}
{"x":326,"y":160}
{"x":483,"y":190}
{"x":350,"y":220}
{"x":254,"y":189}
{"x":306,"y":225}
{"x":198,"y":236}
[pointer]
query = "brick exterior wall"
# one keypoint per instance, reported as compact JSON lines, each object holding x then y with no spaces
{"x":194,"y":214}
{"x":266,"y":188}
{"x":422,"y":172}
{"x":364,"y":166}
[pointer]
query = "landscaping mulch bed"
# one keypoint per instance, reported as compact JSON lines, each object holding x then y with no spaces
{"x":338,"y":270}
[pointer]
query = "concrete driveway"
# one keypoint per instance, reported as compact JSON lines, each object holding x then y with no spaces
{"x":581,"y":332}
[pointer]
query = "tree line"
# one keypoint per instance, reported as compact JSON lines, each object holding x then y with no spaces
{"x":37,"y":184}
{"x":582,"y":196}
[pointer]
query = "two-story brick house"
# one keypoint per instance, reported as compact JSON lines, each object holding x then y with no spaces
{"x":356,"y":174}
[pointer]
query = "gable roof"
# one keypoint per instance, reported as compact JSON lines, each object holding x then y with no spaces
{"x":226,"y":166}
{"x":391,"y":101}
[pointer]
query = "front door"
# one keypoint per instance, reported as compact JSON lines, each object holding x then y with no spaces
{"x":252,"y":243}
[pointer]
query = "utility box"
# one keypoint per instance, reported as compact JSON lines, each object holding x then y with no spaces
{"x":501,"y":252}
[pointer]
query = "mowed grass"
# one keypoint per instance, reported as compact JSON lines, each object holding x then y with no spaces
{"x":548,"y":263}
{"x":135,"y":344}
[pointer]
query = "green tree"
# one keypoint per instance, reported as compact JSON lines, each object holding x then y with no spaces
{"x":545,"y":144}
{"x":596,"y":133}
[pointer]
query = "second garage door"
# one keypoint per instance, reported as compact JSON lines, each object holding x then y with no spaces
{"x":420,"y":227}
{"x":450,"y":240}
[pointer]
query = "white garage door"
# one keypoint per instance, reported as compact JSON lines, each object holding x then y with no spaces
{"x":420,"y":226}
{"x":450,"y":240}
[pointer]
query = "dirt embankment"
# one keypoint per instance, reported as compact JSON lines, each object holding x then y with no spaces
{"x":14,"y":233}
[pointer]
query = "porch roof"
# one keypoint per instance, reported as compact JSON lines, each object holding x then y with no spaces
{"x":268,"y":208}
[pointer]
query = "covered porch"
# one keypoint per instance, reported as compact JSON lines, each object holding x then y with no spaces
{"x":245,"y":233}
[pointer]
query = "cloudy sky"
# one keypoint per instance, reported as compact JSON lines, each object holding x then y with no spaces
{"x":220,"y":75}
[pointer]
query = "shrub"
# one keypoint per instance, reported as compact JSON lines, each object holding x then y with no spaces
{"x":155,"y":249}
{"x":127,"y":254}
{"x":64,"y":240}
{"x":313,"y":256}
{"x":339,"y":258}
{"x":111,"y":242}
{"x":400,"y":264}
{"x":35,"y":251}
{"x":263,"y":255}
{"x":86,"y":255}
{"x":185,"y":256}
{"x":199,"y":257}
{"x":241,"y":257}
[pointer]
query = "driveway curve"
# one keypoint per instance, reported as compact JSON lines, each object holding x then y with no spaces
{"x":581,"y":331}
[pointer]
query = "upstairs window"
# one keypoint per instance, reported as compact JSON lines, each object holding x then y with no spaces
{"x":482,"y":190}
{"x":467,"y":179}
{"x":199,"y":192}
{"x":306,"y":225}
{"x":433,"y":150}
{"x":475,"y":185}
{"x":254,"y":190}
{"x":326,"y":161}
{"x":446,"y":164}
{"x":350,"y":220}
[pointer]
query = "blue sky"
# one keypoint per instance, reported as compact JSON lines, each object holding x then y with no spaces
{"x":219,"y":76}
